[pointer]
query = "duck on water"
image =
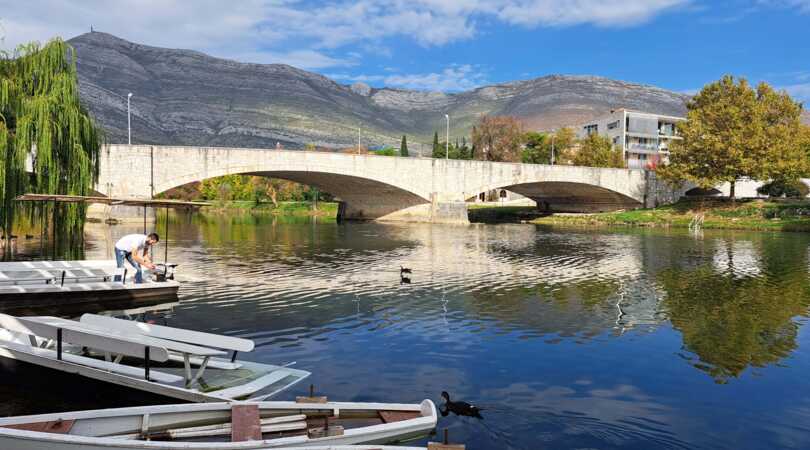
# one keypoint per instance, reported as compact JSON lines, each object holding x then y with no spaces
{"x":459,"y":408}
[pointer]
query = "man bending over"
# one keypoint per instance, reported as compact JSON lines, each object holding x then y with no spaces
{"x":135,"y":249}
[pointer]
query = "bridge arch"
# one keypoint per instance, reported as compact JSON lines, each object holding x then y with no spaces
{"x":362,"y":198}
{"x":567,"y":188}
{"x":563,"y":196}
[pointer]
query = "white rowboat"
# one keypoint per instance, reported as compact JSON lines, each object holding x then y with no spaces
{"x":184,"y":364}
{"x":222,"y":426}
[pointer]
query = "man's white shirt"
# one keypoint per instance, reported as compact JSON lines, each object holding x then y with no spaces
{"x":126,"y":243}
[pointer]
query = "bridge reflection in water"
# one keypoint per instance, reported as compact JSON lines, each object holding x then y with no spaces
{"x":631,"y":339}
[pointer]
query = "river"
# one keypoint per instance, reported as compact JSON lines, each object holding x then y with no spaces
{"x":632,"y":339}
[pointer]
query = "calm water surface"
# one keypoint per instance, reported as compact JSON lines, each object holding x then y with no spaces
{"x":567,"y":339}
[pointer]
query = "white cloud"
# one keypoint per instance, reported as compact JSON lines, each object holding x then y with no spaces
{"x":302,"y":59}
{"x":802,"y":5}
{"x":303,"y":32}
{"x":457,"y":77}
{"x":206,"y":25}
{"x":615,"y":13}
{"x":454,"y":78}
{"x":800,"y":92}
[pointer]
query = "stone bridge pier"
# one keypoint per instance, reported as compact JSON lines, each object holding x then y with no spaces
{"x":372,"y":187}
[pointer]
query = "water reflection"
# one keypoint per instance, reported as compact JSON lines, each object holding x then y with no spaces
{"x":738,"y":311}
{"x":573,"y":339}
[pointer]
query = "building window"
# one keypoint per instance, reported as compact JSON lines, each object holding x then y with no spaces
{"x":613,"y":125}
{"x":666,"y":128}
{"x":591,"y":129}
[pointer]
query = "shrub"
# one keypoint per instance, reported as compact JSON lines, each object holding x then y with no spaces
{"x":780,"y":188}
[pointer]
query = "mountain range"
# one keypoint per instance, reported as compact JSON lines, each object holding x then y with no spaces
{"x":184,"y":97}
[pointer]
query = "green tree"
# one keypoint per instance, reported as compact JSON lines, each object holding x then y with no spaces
{"x":536,"y":149}
{"x":780,"y":188}
{"x":597,"y":151}
{"x":455,"y":151}
{"x":403,"y":147}
{"x":436,"y":148}
{"x":440,"y":150}
{"x":41,"y":116}
{"x":732,"y":131}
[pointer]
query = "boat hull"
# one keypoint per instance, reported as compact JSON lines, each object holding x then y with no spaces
{"x":87,"y":293}
{"x":88,"y":426}
{"x":22,"y":440}
{"x":19,"y":353}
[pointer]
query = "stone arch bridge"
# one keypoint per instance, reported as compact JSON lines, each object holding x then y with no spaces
{"x":381,"y":187}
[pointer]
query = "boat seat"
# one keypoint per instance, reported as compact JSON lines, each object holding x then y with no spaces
{"x":398,"y":416}
{"x":26,"y":276}
{"x":78,"y":274}
{"x":53,"y":276}
{"x":246,"y":424}
{"x":54,"y":426}
{"x":254,"y":386}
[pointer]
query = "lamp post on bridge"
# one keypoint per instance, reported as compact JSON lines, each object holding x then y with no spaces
{"x":129,"y":121}
{"x":552,"y":148}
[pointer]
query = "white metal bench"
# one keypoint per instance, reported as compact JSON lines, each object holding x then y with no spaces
{"x":230,"y":343}
{"x":58,"y":332}
{"x":185,"y":350}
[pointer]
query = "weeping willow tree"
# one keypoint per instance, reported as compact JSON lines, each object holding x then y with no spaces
{"x":49,"y":144}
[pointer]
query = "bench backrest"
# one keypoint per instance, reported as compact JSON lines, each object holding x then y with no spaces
{"x":86,"y":338}
{"x":169,"y":333}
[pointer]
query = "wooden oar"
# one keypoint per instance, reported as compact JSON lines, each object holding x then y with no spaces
{"x":225,"y":429}
{"x":269,"y":425}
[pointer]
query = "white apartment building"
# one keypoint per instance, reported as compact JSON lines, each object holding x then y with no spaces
{"x":643,"y":137}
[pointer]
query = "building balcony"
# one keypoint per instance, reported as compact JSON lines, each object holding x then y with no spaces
{"x":642,"y":148}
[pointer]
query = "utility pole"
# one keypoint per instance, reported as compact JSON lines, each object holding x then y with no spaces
{"x":358,"y":140}
{"x":129,"y":122}
{"x":447,"y":138}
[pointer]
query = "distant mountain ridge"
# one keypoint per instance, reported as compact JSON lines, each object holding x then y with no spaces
{"x":184,"y":97}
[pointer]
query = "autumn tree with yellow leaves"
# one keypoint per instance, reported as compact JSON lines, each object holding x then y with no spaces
{"x":732,"y":131}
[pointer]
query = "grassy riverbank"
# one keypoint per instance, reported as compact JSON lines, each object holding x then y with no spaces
{"x":765,"y":215}
{"x":324,"y":209}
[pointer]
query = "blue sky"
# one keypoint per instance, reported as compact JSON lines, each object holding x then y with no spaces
{"x":453,"y":45}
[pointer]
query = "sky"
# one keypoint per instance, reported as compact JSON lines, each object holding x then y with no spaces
{"x":454,"y":45}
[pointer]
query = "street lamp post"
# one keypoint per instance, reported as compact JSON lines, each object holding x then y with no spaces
{"x":447,"y":138}
{"x":552,"y":149}
{"x":129,"y":121}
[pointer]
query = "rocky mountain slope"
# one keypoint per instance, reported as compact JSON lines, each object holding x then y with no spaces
{"x":184,"y":97}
